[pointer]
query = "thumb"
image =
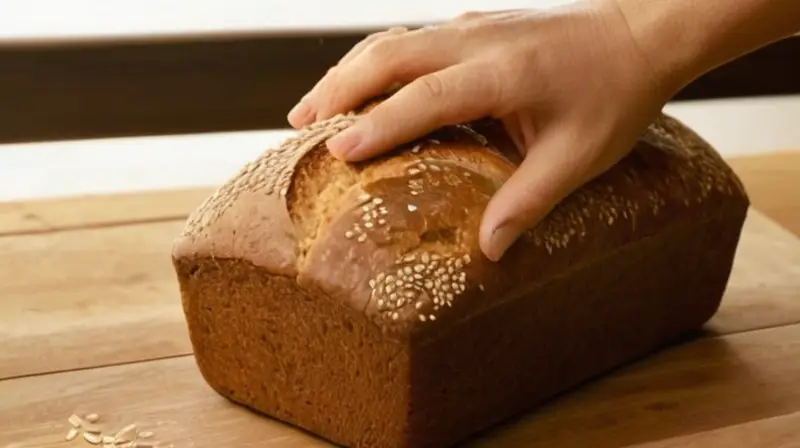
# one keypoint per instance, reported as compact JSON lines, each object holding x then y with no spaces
{"x":553,"y":168}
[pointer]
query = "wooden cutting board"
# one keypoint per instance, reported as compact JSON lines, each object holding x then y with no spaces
{"x":89,"y":316}
{"x":713,"y":385}
{"x":90,"y":322}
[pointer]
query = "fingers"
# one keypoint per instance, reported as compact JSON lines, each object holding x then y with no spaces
{"x":302,"y":114}
{"x":550,"y":172}
{"x":366,"y":42}
{"x":454,"y":95}
{"x":512,"y":126}
{"x":370,"y":71}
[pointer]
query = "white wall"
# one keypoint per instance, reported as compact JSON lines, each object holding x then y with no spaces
{"x":25,"y":19}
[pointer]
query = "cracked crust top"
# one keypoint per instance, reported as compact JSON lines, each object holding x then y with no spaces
{"x":397,"y":237}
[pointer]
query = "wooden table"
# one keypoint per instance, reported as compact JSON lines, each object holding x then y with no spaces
{"x":90,"y":322}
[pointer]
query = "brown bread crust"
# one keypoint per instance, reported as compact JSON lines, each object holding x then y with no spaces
{"x":361,"y":289}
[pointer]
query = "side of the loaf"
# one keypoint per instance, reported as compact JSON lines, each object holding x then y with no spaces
{"x":632,"y":293}
{"x":294,"y":355}
{"x":597,"y":317}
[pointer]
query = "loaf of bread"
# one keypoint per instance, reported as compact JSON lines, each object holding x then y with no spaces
{"x":352,"y":300}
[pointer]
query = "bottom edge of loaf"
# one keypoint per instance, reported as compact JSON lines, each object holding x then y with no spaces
{"x":301,"y":358}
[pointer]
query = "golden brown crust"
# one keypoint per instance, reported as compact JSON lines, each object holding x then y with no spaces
{"x":396,"y":237}
{"x":247,"y":217}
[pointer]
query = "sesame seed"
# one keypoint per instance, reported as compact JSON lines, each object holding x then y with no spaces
{"x":92,"y":418}
{"x":412,"y":207}
{"x":75,"y":421}
{"x":92,"y":438}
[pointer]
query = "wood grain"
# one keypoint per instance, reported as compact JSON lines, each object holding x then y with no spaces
{"x":775,"y":432}
{"x":91,"y":297}
{"x":700,"y":386}
{"x":773,"y":183}
{"x":91,"y":282}
{"x":692,"y":388}
{"x":764,"y":287}
{"x":98,"y":210}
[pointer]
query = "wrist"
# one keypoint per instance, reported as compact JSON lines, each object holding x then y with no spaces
{"x":666,"y":40}
{"x":684,"y":39}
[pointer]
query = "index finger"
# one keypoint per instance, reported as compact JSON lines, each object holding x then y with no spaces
{"x":454,"y":95}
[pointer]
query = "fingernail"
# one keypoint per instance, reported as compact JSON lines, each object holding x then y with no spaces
{"x":502,"y":238}
{"x":300,"y":115}
{"x":344,"y":144}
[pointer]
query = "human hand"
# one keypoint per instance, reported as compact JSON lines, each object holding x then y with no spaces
{"x":569,"y":84}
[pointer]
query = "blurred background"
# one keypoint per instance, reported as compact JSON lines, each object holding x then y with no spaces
{"x":209,"y":83}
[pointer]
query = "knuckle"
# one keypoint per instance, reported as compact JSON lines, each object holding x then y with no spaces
{"x":381,"y":49}
{"x":373,"y":37}
{"x":469,"y":15}
{"x":492,"y":79}
{"x":395,"y":30}
{"x":332,"y":71}
{"x":432,"y":87}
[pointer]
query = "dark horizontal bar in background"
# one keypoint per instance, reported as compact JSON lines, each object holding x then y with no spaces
{"x":68,"y":91}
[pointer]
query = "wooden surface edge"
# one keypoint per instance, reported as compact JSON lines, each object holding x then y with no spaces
{"x":111,"y":295}
{"x":781,"y":431}
{"x":70,"y":213}
{"x":743,"y":380}
{"x":771,"y":180}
